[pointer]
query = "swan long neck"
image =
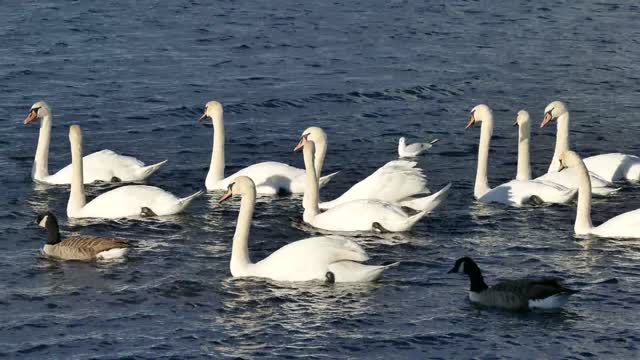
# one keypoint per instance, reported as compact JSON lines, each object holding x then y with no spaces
{"x":311,"y":188}
{"x":77,"y":198}
{"x":41,"y":161}
{"x":482,"y":182}
{"x":583,"y":223}
{"x":524,"y":161}
{"x":216,"y":167}
{"x":240,"y":251}
{"x":562,"y":141}
{"x":318,"y":161}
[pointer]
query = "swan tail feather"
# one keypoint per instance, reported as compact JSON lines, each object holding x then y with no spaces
{"x":146,"y":171}
{"x":428,"y":203}
{"x":184,"y":202}
{"x":351,"y":271}
{"x":325,"y":179}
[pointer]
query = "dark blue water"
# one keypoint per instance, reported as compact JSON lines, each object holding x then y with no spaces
{"x":136,"y":75}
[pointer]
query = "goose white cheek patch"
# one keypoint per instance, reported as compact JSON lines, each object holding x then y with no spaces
{"x":43,"y":222}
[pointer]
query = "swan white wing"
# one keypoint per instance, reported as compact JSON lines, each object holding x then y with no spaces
{"x":102,"y":166}
{"x":625,"y":225}
{"x":128,"y":201}
{"x":569,"y":179}
{"x":307,"y":259}
{"x":518,"y":192}
{"x":360,"y":215}
{"x":270,"y":177}
{"x":395,"y":181}
{"x":614,"y":166}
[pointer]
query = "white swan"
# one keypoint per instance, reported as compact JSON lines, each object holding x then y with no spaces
{"x":625,"y":225}
{"x":398,"y":181}
{"x":333,"y":259}
{"x":610,"y":167}
{"x":125,"y":201}
{"x":270,"y":177}
{"x":515,"y":192}
{"x":357,"y":215}
{"x":415,"y":149}
{"x":104,"y":165}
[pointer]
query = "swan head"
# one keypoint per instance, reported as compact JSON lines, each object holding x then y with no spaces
{"x":478,"y":114}
{"x":315,"y":134}
{"x":522,"y":118}
{"x":75,"y":134}
{"x":569,"y":159}
{"x":552,"y":111}
{"x":242,"y":185}
{"x":306,"y":142}
{"x":465,"y":265}
{"x":212,"y":109}
{"x":38,"y":111}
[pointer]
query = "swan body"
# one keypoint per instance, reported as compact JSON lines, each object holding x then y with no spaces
{"x":270,"y":177}
{"x":82,"y":248}
{"x":610,"y":167}
{"x":125,"y":201}
{"x":522,"y":190}
{"x":356,"y":215}
{"x":318,"y":258}
{"x":104,"y":165}
{"x":415,"y":149}
{"x":521,"y":294}
{"x":626,"y":225}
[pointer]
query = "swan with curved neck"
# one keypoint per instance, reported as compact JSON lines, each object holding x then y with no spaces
{"x":104,"y":165}
{"x":125,"y":201}
{"x":516,"y":192}
{"x":398,"y":181}
{"x":332,"y":259}
{"x":270,"y":177}
{"x":356,"y":215}
{"x":626,"y":225}
{"x":610,"y":167}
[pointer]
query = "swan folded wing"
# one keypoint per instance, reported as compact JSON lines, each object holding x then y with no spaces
{"x":396,"y":180}
{"x":613,"y":166}
{"x":308,"y":259}
{"x":85,"y":247}
{"x":99,"y":166}
{"x":129,"y":200}
{"x":268,"y":174}
{"x":624,"y":225}
{"x":359,"y":215}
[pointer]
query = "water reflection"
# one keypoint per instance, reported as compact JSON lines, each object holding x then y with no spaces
{"x":254,"y":309}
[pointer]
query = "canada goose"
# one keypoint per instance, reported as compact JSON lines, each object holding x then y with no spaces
{"x":84,"y":248}
{"x":522,"y":294}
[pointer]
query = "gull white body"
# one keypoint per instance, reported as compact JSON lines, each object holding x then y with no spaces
{"x":413,"y":150}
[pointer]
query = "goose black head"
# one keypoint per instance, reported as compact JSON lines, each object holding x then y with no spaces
{"x":465,"y":265}
{"x":48,"y":221}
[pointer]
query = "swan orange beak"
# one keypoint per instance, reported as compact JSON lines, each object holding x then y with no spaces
{"x":547,"y":118}
{"x":203,"y":117}
{"x":227,"y":194}
{"x":300,"y":145}
{"x":32,"y":115}
{"x":472,"y":120}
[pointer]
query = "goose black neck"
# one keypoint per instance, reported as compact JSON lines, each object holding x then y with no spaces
{"x":53,"y":231}
{"x":477,"y":282}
